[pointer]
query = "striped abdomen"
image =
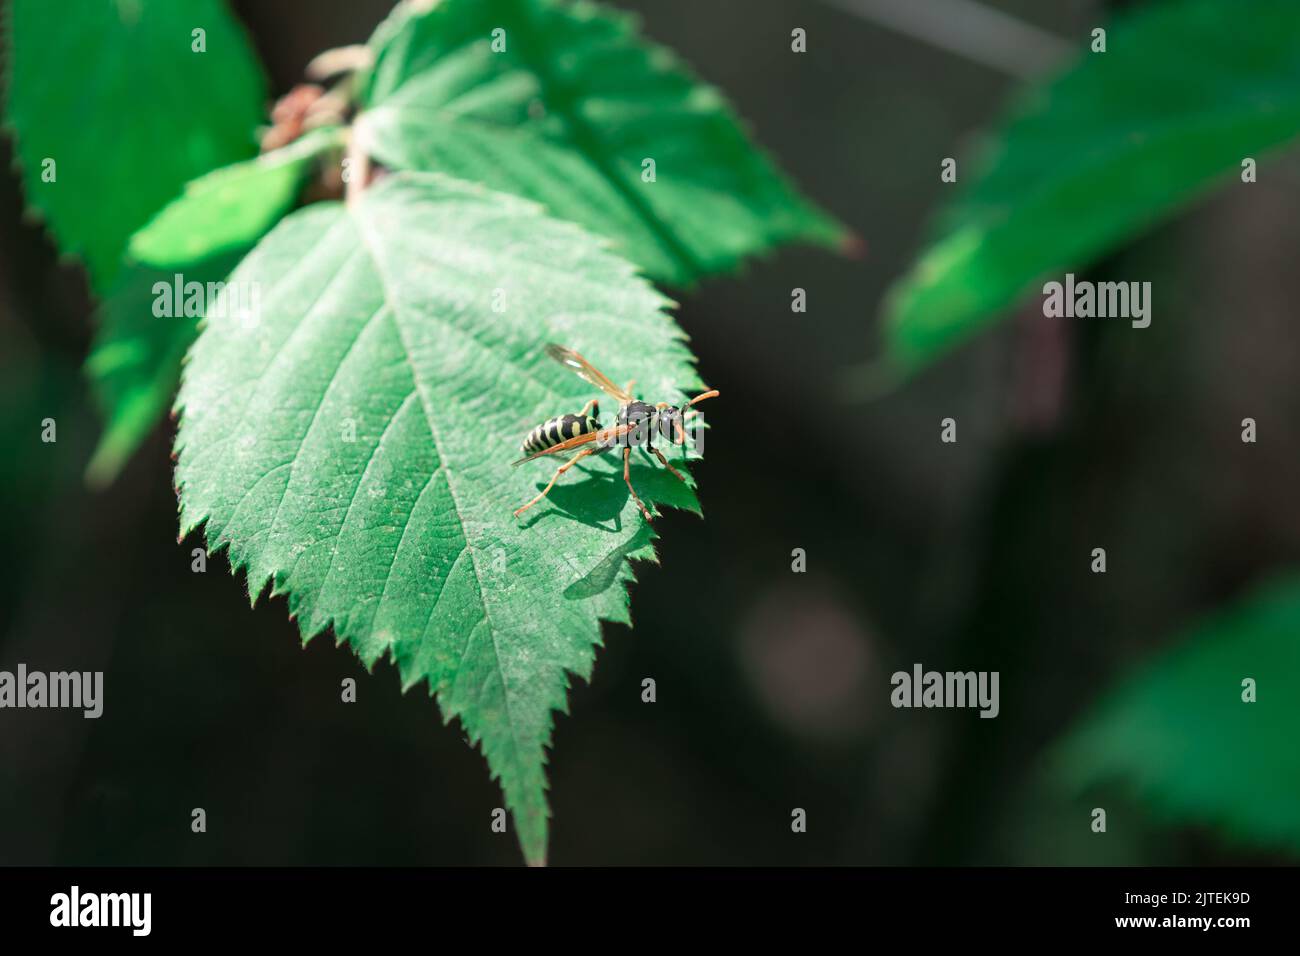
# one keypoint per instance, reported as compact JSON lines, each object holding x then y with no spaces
{"x":558,"y":429}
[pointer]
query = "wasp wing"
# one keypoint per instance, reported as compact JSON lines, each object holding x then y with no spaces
{"x":605,"y":434}
{"x":586,"y":371}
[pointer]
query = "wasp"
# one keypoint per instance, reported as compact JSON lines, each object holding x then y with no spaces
{"x":634,"y":424}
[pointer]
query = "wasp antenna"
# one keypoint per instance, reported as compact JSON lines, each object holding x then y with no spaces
{"x":711,"y":393}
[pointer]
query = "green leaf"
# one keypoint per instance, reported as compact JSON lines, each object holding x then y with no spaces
{"x":377,"y":325}
{"x":566,"y":115}
{"x":231,"y":207}
{"x":1117,"y":143}
{"x":111,"y":91}
{"x":1179,"y":734}
{"x":134,"y":366}
{"x":135,"y":363}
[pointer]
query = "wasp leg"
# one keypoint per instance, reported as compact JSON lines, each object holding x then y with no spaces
{"x":627,"y":476}
{"x":660,"y":456}
{"x":558,"y":471}
{"x":592,"y":406}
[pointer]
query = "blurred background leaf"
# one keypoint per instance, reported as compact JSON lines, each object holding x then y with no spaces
{"x":229,"y":208}
{"x":1178,"y":735}
{"x":113,"y":92}
{"x":134,"y":366}
{"x":1182,"y":94}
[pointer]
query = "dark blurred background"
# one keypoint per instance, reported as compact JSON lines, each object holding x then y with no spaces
{"x":773,"y":687}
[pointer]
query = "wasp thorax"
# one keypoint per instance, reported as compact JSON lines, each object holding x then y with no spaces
{"x":642,"y":418}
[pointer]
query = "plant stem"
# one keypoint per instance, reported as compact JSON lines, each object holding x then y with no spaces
{"x":356,"y":166}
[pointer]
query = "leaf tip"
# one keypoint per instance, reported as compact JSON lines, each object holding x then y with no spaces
{"x":851,"y":245}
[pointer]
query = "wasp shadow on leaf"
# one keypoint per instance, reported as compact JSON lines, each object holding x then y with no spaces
{"x":587,"y":501}
{"x":599,"y":497}
{"x":605,"y":573}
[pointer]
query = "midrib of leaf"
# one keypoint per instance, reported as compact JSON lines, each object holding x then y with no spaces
{"x":584,"y":138}
{"x":420,"y":390}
